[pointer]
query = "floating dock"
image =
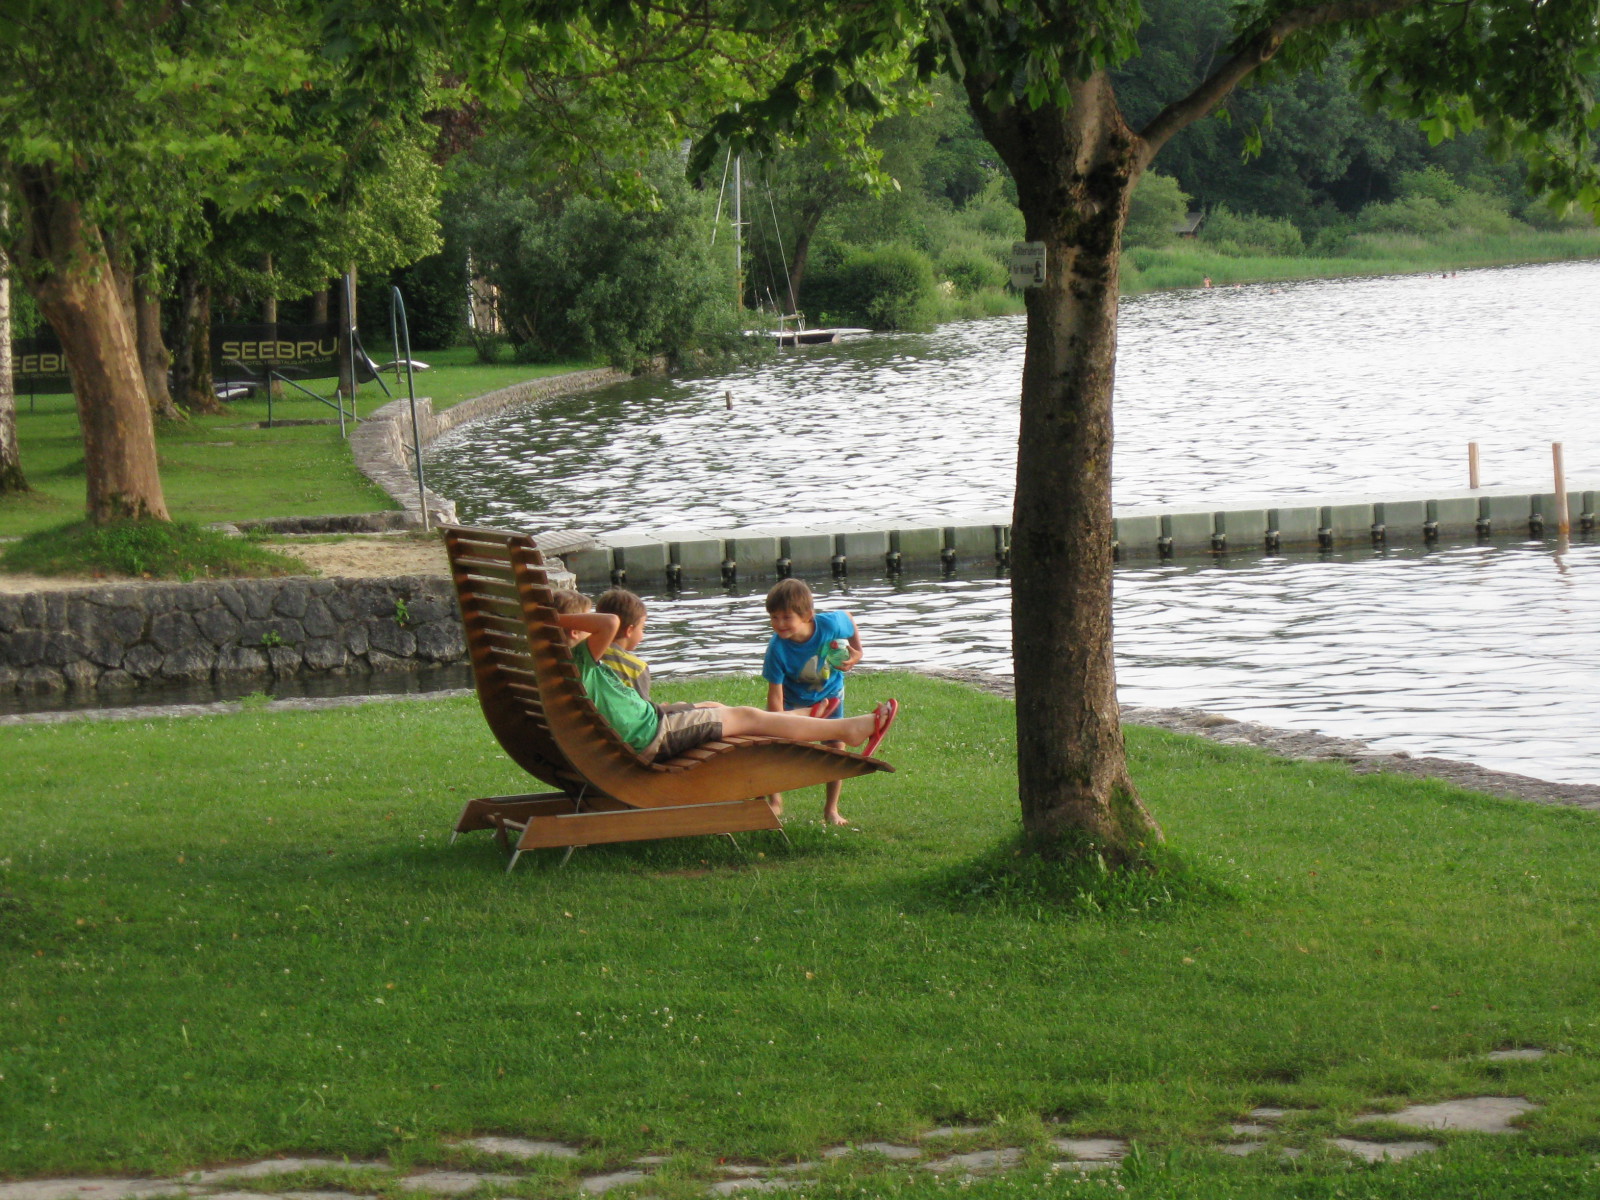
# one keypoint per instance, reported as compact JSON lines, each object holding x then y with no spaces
{"x":670,"y":556}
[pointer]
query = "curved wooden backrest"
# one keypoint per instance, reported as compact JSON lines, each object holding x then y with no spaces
{"x":493,"y":594}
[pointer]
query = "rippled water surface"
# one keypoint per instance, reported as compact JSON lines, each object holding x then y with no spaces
{"x":1487,"y":653}
{"x":1319,"y":388}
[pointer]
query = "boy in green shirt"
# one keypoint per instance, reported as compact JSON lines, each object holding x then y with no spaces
{"x":667,"y":730}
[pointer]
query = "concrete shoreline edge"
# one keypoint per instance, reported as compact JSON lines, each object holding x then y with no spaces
{"x":382,"y":444}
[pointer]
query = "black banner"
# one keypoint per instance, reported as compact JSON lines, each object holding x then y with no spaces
{"x":38,"y":365}
{"x":239,"y":354}
{"x":247,"y":352}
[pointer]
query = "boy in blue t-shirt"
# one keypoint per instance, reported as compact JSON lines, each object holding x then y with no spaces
{"x":807,"y":656}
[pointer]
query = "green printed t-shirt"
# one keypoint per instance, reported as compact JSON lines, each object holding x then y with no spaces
{"x":634,"y":718}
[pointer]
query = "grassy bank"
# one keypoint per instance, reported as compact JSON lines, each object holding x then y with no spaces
{"x":1188,"y":264}
{"x":226,"y":468}
{"x":231,"y":936}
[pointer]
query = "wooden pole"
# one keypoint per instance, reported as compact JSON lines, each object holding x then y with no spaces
{"x":1563,"y":521}
{"x":1472,"y":465}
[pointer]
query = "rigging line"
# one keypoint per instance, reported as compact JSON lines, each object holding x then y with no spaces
{"x":766,"y":255}
{"x":716,"y":221}
{"x":788,"y":284}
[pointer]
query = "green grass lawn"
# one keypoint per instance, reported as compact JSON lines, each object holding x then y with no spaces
{"x":223,"y":469}
{"x":236,"y":935}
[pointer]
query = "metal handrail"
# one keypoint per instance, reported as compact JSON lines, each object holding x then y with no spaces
{"x":398,"y":325}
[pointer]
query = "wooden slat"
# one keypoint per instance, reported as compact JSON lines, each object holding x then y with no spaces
{"x":503,"y":622}
{"x":467,"y":581}
{"x":593,"y":829}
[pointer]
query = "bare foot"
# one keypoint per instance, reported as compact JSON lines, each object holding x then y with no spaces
{"x":775,"y":802}
{"x":830,"y":816}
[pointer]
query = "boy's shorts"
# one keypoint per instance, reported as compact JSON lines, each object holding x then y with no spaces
{"x":683,"y":727}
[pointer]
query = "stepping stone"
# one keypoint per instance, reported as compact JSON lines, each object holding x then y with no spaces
{"x":1245,"y":1129}
{"x":1241,"y":1149}
{"x":651,"y":1160}
{"x":978,"y":1161}
{"x":887,"y":1149}
{"x":320,"y":1196}
{"x":1524,"y":1054}
{"x":90,"y":1189}
{"x":453,"y":1183}
{"x":521,"y":1147}
{"x":950,"y":1131}
{"x":278,"y":1166}
{"x":729,"y":1187}
{"x":597,"y":1185}
{"x":1081,"y":1167}
{"x":1092,"y":1149}
{"x":746,"y":1172}
{"x":1476,"y":1114}
{"x":1382,"y":1151}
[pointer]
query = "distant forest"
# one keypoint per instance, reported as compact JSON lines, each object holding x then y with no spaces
{"x":893,"y":223}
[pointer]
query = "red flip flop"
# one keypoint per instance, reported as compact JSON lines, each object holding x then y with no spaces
{"x":882,"y":717}
{"x":825,"y":707}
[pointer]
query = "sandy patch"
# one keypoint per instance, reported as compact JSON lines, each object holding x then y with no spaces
{"x":353,"y":558}
{"x":362,"y":558}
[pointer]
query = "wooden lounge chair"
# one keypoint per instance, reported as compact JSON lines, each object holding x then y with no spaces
{"x":528,"y":686}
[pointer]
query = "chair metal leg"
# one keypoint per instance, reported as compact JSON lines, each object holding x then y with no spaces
{"x":565,"y":858}
{"x":515,"y":854}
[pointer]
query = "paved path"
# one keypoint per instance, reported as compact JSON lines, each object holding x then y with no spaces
{"x":961,"y":1152}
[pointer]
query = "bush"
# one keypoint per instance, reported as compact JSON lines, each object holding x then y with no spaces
{"x":994,"y":211}
{"x":891,"y":287}
{"x":1156,"y":210}
{"x":1244,"y":234}
{"x":1421,"y":216}
{"x":972,"y":270}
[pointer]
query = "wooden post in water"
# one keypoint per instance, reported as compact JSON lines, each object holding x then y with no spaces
{"x":1563,"y":522}
{"x":1472,"y":465}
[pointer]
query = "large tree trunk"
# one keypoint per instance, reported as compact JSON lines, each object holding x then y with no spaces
{"x":11,"y":477}
{"x":155,"y":360}
{"x":192,"y":384}
{"x":69,"y":273}
{"x":1075,"y":169}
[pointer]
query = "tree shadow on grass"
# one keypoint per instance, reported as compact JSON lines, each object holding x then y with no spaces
{"x":1009,"y":879}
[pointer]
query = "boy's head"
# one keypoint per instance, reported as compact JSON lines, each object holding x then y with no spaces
{"x":567,"y":603}
{"x":790,"y":610}
{"x":630,"y":613}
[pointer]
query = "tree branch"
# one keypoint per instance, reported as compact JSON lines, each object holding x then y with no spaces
{"x":1258,"y":50}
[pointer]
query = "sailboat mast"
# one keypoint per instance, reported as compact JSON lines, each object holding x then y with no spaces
{"x":738,"y":231}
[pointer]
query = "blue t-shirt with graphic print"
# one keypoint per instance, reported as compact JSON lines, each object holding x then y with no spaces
{"x":799,"y":666}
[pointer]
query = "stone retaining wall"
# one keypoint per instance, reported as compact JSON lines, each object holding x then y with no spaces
{"x":381,"y":444}
{"x":118,"y":637}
